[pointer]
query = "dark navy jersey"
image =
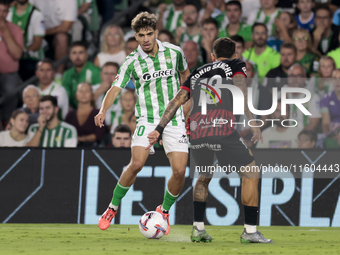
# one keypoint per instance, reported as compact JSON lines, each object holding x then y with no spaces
{"x":212,"y":110}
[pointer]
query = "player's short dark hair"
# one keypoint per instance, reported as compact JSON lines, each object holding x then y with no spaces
{"x":310,"y":133}
{"x":122,"y":129}
{"x":111,"y":64}
{"x":210,"y":21}
{"x":326,"y":8}
{"x":50,"y":98}
{"x":80,"y":44}
{"x":289,"y":46}
{"x":5,"y":2}
{"x":256,"y":24}
{"x":168,"y":33}
{"x":234,"y":2}
{"x":44,"y":61}
{"x":144,"y":20}
{"x":238,"y":39}
{"x":195,"y":3}
{"x":224,"y":47}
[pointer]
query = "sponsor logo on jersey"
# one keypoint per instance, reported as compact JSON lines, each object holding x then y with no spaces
{"x":193,"y":125}
{"x":158,"y":74}
{"x":183,"y":139}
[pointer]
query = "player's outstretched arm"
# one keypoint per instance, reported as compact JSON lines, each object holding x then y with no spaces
{"x":239,"y":80}
{"x":110,"y":97}
{"x":170,"y":111}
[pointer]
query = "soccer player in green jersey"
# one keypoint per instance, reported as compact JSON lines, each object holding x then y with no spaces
{"x":156,"y":69}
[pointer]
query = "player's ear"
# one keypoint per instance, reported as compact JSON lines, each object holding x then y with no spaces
{"x":234,"y":56}
{"x":135,"y":34}
{"x":213,"y":57}
{"x":156,"y":32}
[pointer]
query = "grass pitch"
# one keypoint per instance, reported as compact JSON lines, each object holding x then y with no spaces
{"x":126,"y":239}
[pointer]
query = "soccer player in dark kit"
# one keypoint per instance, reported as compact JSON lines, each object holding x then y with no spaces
{"x":213,"y":133}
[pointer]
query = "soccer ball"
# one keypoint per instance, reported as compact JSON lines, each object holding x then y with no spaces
{"x":152,"y":225}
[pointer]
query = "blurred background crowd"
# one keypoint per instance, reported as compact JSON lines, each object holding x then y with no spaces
{"x":59,"y":57}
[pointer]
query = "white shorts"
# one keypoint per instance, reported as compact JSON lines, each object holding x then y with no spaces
{"x":174,"y":138}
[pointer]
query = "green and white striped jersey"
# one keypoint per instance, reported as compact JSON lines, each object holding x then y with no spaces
{"x":157,"y":80}
{"x":172,"y":19}
{"x":269,"y":21}
{"x":64,"y":135}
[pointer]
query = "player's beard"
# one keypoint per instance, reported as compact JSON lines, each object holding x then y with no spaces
{"x":51,"y":117}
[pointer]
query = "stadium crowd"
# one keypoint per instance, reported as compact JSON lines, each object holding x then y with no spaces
{"x":285,"y":43}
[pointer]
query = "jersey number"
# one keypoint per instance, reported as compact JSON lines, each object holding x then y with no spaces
{"x":141,"y":130}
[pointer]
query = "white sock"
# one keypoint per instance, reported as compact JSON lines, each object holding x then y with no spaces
{"x":250,"y":228}
{"x":199,"y":225}
{"x":114,"y":207}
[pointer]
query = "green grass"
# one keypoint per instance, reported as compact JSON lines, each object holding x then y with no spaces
{"x":125,"y":239}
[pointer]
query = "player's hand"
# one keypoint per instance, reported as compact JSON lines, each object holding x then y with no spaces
{"x":42,"y":121}
{"x":3,"y":25}
{"x":179,"y":32}
{"x":319,"y":30}
{"x":153,"y":138}
{"x":162,"y":8}
{"x":99,"y":119}
{"x":257,"y":135}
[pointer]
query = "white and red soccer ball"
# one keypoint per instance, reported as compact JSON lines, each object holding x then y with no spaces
{"x":152,"y":225}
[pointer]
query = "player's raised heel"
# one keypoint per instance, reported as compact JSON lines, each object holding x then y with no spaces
{"x":106,"y":218}
{"x":200,"y":235}
{"x":256,"y":237}
{"x":165,"y":216}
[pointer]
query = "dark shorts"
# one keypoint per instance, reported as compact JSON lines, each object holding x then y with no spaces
{"x":50,"y":53}
{"x":230,"y":150}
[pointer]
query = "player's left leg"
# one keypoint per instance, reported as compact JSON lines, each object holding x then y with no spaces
{"x":178,"y":162}
{"x":250,"y":200}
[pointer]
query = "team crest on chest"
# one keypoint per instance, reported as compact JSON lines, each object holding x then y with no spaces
{"x":168,"y":59}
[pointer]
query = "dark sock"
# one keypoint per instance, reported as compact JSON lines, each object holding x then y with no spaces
{"x":250,"y":215}
{"x":199,"y":210}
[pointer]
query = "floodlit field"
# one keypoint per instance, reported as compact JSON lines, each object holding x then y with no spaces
{"x":126,"y":239}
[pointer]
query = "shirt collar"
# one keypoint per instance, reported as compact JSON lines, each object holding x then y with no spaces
{"x":145,"y":55}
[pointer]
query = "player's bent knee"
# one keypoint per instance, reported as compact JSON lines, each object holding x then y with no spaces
{"x":136,"y":166}
{"x":179,"y":173}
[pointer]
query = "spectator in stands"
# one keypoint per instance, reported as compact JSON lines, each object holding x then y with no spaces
{"x":50,"y":131}
{"x":170,"y":16}
{"x":297,"y":78}
{"x":307,"y":139}
{"x":83,"y":21}
{"x":166,"y":36}
{"x":191,"y":51}
{"x":216,"y":9}
{"x":11,"y":48}
{"x":45,"y":73}
{"x":325,"y":34}
{"x":31,"y":98}
{"x":209,"y":35}
{"x":277,"y":77}
{"x":285,"y":25}
{"x":112,"y":47}
{"x":279,"y":136}
{"x":121,"y":137}
{"x":235,"y":27}
{"x":335,"y":54}
{"x":330,"y":110}
{"x":267,"y":15}
{"x":59,"y":17}
{"x":305,"y":17}
{"x":336,"y":17}
{"x":128,"y":102}
{"x":248,"y":6}
{"x":306,"y":55}
{"x":82,"y":118}
{"x":239,"y":47}
{"x":262,"y":55}
{"x":192,"y":31}
{"x":16,"y":136}
{"x":322,"y":83}
{"x":335,"y":6}
{"x":108,"y":74}
{"x":31,"y":22}
{"x":131,"y":45}
{"x":82,"y":71}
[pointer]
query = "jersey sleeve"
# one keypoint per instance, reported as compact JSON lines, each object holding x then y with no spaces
{"x":38,"y":24}
{"x":240,"y":68}
{"x":70,"y":11}
{"x":71,"y":138}
{"x":31,"y":132}
{"x":63,"y":102}
{"x":182,"y":63}
{"x":124,"y":75}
